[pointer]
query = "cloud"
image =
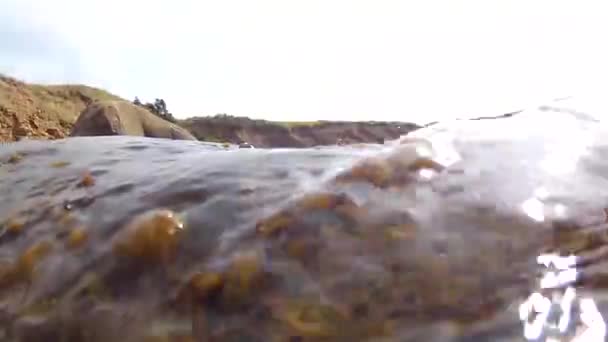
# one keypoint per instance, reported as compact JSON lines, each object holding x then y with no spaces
{"x":331,"y":59}
{"x":33,"y":53}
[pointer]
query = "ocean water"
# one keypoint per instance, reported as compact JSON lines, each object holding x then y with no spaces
{"x":489,"y":230}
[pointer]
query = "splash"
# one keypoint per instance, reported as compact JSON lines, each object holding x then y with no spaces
{"x":556,"y":312}
{"x":536,"y":208}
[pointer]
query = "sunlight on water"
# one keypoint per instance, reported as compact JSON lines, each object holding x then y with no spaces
{"x":555,"y":312}
{"x":566,"y":153}
{"x":339,"y":243}
{"x":541,"y":193}
{"x":536,"y":209}
{"x":426,"y":174}
{"x":441,"y":148}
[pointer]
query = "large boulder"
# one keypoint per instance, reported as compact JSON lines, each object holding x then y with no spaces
{"x":125,"y":118}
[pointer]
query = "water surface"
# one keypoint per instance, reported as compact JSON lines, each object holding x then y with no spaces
{"x":433,"y":237}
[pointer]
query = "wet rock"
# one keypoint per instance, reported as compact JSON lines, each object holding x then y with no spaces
{"x":339,"y":204}
{"x":77,"y":238}
{"x":14,"y":226}
{"x":55,"y":133}
{"x":274,"y":224}
{"x":36,"y":329}
{"x":313,"y":319}
{"x":31,"y":257}
{"x":244,"y":276}
{"x":374,"y":171}
{"x":87,"y":180}
{"x":203,"y":284}
{"x":329,"y":244}
{"x":151,"y":236}
{"x":23,"y":269}
{"x":108,"y":322}
{"x":60,"y":164}
{"x":15,"y":158}
{"x":401,"y":232}
{"x":403,"y":166}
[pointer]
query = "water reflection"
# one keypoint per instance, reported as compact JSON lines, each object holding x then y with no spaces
{"x":389,"y":260}
{"x":536,"y":208}
{"x":555,"y":312}
{"x":564,"y":155}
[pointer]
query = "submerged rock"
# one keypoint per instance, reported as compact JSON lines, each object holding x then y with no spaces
{"x":431,"y":237}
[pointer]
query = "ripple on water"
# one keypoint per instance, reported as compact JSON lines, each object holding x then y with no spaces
{"x":433,"y":237}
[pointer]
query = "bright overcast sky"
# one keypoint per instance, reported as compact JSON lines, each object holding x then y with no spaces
{"x":403,"y":60}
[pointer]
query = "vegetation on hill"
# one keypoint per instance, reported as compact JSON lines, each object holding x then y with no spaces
{"x":158,"y":107}
{"x":290,"y":124}
{"x":44,"y":111}
{"x":64,"y":102}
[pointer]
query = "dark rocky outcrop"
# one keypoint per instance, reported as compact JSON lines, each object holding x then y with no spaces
{"x":262,"y":133}
{"x":124,"y":118}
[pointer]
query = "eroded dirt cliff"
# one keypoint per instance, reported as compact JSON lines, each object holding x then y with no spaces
{"x":49,"y":112}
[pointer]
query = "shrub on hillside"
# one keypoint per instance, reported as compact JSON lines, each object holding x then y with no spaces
{"x":159,"y":108}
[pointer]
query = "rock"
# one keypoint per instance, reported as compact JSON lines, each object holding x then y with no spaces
{"x":33,"y":124}
{"x":34,"y":328}
{"x":111,"y":322}
{"x":21,"y":131}
{"x":152,"y":235}
{"x":5,"y":132}
{"x":124,"y":118}
{"x":265,"y":134}
{"x":54,"y":132}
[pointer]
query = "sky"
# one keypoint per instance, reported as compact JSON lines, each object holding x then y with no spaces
{"x":298,"y":60}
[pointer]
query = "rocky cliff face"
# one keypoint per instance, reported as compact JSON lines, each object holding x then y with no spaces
{"x":49,"y":112}
{"x":272,"y":134}
{"x":43,"y":112}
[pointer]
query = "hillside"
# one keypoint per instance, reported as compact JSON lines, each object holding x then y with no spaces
{"x":261,"y":133}
{"x":49,"y":112}
{"x":42,"y":111}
